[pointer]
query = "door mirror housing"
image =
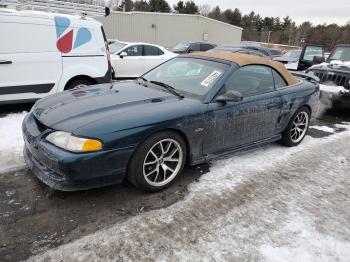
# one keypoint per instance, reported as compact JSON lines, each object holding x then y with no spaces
{"x":230,"y":96}
{"x":318,"y":60}
{"x":122,"y":54}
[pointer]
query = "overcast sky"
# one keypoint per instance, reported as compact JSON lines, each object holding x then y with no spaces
{"x":316,"y":11}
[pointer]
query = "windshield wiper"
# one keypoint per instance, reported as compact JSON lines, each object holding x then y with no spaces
{"x":168,"y":87}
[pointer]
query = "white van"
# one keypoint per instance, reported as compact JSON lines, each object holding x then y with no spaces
{"x":44,"y":53}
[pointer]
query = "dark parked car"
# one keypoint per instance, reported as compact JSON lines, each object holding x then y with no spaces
{"x":189,"y":47}
{"x":336,"y":72}
{"x":238,"y":50}
{"x":268,"y":52}
{"x":189,"y":110}
{"x":290,"y":59}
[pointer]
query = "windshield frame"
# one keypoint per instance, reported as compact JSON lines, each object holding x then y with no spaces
{"x":329,"y":59}
{"x":208,"y":96}
{"x":116,"y":42}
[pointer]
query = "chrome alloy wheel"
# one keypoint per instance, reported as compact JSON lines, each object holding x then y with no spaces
{"x":162,"y":162}
{"x":299,"y":127}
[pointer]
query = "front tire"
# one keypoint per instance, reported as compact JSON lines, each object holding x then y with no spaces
{"x":297,"y":128}
{"x":157,"y":162}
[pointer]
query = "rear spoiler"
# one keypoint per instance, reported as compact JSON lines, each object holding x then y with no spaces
{"x":309,"y":77}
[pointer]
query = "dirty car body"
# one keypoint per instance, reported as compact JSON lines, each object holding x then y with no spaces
{"x":121,"y":116}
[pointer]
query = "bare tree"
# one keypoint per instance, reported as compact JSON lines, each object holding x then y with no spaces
{"x":204,"y":10}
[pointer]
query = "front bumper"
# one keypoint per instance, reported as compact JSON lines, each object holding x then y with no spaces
{"x":66,"y":171}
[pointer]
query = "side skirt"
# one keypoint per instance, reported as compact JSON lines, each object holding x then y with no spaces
{"x":241,"y":149}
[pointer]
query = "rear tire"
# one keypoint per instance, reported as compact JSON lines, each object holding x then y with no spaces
{"x":296,"y":128}
{"x":157,"y":162}
{"x":79,"y":83}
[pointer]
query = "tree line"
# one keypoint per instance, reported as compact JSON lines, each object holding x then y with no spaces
{"x":255,"y":27}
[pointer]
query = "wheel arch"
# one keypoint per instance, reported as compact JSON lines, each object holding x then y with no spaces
{"x":79,"y":77}
{"x":174,"y":130}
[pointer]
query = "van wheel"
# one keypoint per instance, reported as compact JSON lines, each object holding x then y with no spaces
{"x":79,"y":83}
{"x":297,"y":128}
{"x":157,"y":162}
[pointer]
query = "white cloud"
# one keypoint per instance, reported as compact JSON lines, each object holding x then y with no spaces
{"x":316,"y":11}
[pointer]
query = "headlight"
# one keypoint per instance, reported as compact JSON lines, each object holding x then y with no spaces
{"x":72,"y":143}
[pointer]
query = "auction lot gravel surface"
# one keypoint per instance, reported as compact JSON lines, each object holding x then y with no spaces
{"x":269,"y":204}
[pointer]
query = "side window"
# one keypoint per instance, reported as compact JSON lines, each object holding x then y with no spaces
{"x":206,"y":47}
{"x":279,"y":81}
{"x":135,"y":50}
{"x":152,"y":50}
{"x":251,"y":80}
{"x":194,"y":47}
{"x":311,"y":51}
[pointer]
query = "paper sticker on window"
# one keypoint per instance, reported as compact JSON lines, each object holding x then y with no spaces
{"x":211,"y":78}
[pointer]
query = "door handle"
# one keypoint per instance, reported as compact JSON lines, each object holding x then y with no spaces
{"x":5,"y":62}
{"x":273,"y":105}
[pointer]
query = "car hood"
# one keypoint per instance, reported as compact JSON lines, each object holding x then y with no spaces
{"x":129,"y":104}
{"x":286,"y":59}
{"x":335,"y":66}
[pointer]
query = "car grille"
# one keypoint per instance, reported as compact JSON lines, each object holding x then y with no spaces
{"x":337,"y":78}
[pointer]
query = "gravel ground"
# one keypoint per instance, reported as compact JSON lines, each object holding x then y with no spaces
{"x":295,"y":207}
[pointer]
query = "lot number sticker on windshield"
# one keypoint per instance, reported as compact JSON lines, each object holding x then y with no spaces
{"x":211,"y":78}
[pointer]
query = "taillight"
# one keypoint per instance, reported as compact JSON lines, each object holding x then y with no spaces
{"x":108,"y":55}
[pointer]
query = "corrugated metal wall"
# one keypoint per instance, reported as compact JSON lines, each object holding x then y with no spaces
{"x":168,"y":29}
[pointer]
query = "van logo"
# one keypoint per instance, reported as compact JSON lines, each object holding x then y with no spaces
{"x":65,"y":41}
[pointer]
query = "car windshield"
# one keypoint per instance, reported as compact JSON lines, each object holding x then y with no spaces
{"x":182,"y":46}
{"x":292,"y":54}
{"x":341,"y":53}
{"x":114,"y":47}
{"x":189,"y":75}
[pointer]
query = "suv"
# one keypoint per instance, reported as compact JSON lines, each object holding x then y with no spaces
{"x":44,"y":53}
{"x":189,"y":47}
{"x":334,"y":74}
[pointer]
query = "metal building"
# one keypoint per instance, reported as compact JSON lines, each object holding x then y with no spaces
{"x":168,"y":29}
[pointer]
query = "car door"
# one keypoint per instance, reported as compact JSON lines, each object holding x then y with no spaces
{"x":129,"y":62}
{"x":153,"y":56}
{"x":235,"y":124}
{"x":30,"y":64}
{"x":310,"y":55}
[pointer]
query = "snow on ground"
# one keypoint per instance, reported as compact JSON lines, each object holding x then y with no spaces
{"x":323,"y":128}
{"x":332,"y":89}
{"x":11,"y":146}
{"x":270,"y":204}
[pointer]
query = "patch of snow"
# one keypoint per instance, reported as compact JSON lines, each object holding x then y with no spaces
{"x":230,"y":214}
{"x":11,"y":146}
{"x":324,"y":128}
{"x":305,"y":244}
{"x":332,"y":89}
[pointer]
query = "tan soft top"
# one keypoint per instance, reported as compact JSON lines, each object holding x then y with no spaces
{"x":243,"y":60}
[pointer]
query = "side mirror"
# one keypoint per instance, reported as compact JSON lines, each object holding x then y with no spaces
{"x":190,"y":50}
{"x":122,"y":54}
{"x":230,"y":96}
{"x":107,"y":11}
{"x":318,"y":60}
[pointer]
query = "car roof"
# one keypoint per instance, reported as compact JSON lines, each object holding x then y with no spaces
{"x":243,"y":60}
